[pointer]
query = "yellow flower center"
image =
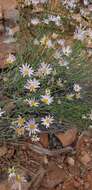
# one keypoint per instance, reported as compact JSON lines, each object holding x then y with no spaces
{"x":34,"y":103}
{"x":32,"y":126}
{"x":26,"y":72}
{"x":32,"y":88}
{"x":21,"y":121}
{"x":47,"y":121}
{"x":45,"y":100}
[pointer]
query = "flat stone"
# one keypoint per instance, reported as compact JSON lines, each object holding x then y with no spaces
{"x":68,"y":137}
{"x":9,"y":9}
{"x":54,"y":176}
{"x":85,"y":158}
{"x":44,"y":140}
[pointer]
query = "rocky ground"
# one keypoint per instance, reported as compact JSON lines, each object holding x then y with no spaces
{"x":60,"y":161}
{"x":8,"y":29}
{"x":67,"y":168}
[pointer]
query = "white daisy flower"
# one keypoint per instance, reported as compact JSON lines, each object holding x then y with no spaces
{"x":47,"y":121}
{"x":61,"y":42}
{"x":58,"y":21}
{"x":31,"y":126}
{"x":44,"y":69}
{"x":55,"y":19}
{"x":47,"y":99}
{"x":32,"y":102}
{"x":11,"y":58}
{"x":69,"y":4}
{"x":26,"y":70}
{"x":35,"y":138}
{"x":32,"y":85}
{"x":72,"y":4}
{"x":66,"y":50}
{"x":52,"y":18}
{"x":16,"y":179}
{"x":35,"y":21}
{"x":20,"y":121}
{"x":79,"y":33}
{"x":12,"y":173}
{"x":76,"y":87}
{"x":63,"y":62}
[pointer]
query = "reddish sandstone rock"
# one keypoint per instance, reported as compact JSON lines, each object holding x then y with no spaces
{"x":54,"y":176}
{"x":73,"y":184}
{"x":44,"y":140}
{"x":70,"y":161}
{"x":84,"y":149}
{"x":88,"y":181}
{"x":68,"y":137}
{"x":9,"y":8}
{"x":5,"y":49}
{"x":9,"y":14}
{"x":4,"y":185}
{"x":85,"y":158}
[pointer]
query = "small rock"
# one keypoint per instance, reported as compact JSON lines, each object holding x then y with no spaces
{"x":3,"y":151}
{"x":68,"y":185}
{"x":68,"y":137}
{"x":54,"y":176}
{"x":44,"y":140}
{"x":4,"y":186}
{"x":9,"y":8}
{"x":76,"y":184}
{"x":85,"y":158}
{"x":70,"y":161}
{"x":88,"y":180}
{"x":45,"y":160}
{"x":87,"y":186}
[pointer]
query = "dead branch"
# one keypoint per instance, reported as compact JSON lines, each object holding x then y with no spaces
{"x":48,"y":152}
